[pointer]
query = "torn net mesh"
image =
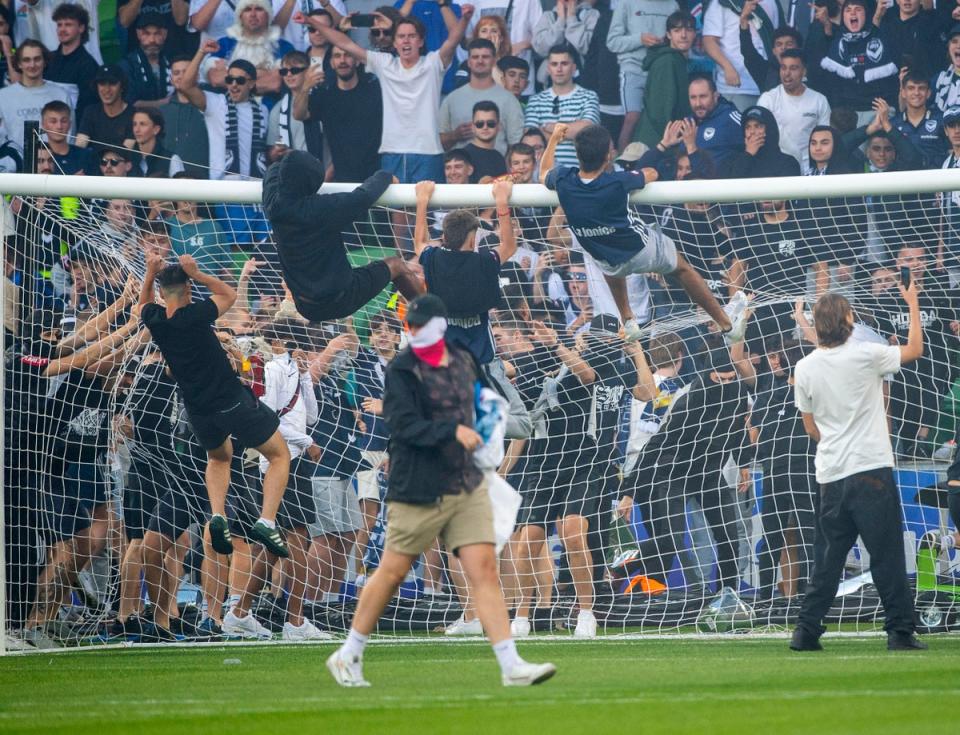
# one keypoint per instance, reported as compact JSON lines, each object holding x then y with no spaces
{"x":717,"y":464}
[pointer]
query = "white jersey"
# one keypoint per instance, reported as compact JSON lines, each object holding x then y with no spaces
{"x":290,"y":393}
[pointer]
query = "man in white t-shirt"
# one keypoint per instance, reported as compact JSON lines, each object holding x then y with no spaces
{"x":236,"y":122}
{"x":721,"y":41}
{"x":839,"y":394}
{"x":24,"y":100}
{"x":798,"y":108}
{"x":410,"y":84}
{"x":40,"y":25}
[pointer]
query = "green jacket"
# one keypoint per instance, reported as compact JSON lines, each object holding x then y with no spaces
{"x":665,"y":96}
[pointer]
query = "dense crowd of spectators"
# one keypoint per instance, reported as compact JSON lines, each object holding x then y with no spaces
{"x":100,"y":462}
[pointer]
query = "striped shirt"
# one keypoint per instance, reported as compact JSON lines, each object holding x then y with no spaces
{"x":548,"y":107}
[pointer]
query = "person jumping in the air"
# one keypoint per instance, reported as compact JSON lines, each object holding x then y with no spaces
{"x":308,"y":229}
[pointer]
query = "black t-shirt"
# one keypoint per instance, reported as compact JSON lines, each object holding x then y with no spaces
{"x":588,"y":416}
{"x":486,"y":162}
{"x":180,"y":41}
{"x":776,"y":254}
{"x":195,"y":355}
{"x":532,"y":368}
{"x":78,"y":68}
{"x":353,"y":123}
{"x":704,"y":247}
{"x":79,"y":417}
{"x":151,"y":404}
{"x":105,"y":130}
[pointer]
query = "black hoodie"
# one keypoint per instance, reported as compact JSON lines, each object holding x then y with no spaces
{"x":769,"y":160}
{"x":308,"y":227}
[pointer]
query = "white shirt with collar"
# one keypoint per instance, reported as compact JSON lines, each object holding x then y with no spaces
{"x":282,"y":380}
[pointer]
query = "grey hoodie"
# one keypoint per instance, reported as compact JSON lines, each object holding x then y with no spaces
{"x":631,"y":19}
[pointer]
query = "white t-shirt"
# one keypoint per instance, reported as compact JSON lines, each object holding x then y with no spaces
{"x":296,"y":33}
{"x":725,"y":24}
{"x":842,"y":388}
{"x":222,"y":19}
{"x":215,"y":115}
{"x":411,"y":102}
{"x":18,"y":104}
{"x":796,"y":117}
{"x":38,"y":23}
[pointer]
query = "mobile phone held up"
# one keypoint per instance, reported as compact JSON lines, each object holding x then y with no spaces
{"x":362,"y":20}
{"x":905,"y":277}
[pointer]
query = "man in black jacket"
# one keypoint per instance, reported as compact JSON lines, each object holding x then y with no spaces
{"x":309,"y":232}
{"x":761,"y":156}
{"x":435,"y":489}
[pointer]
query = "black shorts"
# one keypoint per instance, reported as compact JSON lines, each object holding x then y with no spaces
{"x":297,"y":509}
{"x":566,"y":490}
{"x":365,"y":283}
{"x":69,"y":500}
{"x":143,"y":488}
{"x":249,"y":420}
{"x":185,"y":500}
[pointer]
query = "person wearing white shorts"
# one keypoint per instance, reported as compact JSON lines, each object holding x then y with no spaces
{"x":333,"y":532}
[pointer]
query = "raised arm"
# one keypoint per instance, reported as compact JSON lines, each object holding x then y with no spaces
{"x":155,"y":264}
{"x":455,"y":35}
{"x":508,"y":237}
{"x":549,"y":154}
{"x":913,"y":349}
{"x":301,"y":98}
{"x":571,"y":358}
{"x":222,"y":294}
{"x":331,"y":35}
{"x":646,"y":387}
{"x":190,"y":90}
{"x":128,"y":12}
{"x":89,"y":355}
{"x":421,"y":233}
{"x":100,"y":324}
{"x":202,"y":18}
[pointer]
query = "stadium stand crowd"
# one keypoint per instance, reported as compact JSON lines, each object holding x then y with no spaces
{"x":100,"y":463}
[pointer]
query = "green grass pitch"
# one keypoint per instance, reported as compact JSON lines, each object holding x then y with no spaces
{"x":644,"y":686}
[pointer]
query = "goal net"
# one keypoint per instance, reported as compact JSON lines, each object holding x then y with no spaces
{"x":669,"y":488}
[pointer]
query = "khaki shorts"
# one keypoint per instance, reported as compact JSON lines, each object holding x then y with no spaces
{"x":459,"y":520}
{"x":368,"y":485}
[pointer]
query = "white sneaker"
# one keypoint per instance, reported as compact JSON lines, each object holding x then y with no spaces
{"x":464,"y":627}
{"x":586,"y":625}
{"x":248,"y":627}
{"x":525,"y":674}
{"x":631,"y":331}
{"x":736,"y":310}
{"x":347,"y":672}
{"x":520,"y":627}
{"x":306,"y":632}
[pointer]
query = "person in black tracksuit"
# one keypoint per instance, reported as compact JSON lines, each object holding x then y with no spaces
{"x":308,"y":228}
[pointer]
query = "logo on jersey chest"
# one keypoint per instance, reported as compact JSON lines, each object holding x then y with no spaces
{"x":708,"y":133}
{"x":787,"y":247}
{"x":874,"y":49}
{"x":901,"y":320}
{"x":608,"y":397}
{"x":930,"y":125}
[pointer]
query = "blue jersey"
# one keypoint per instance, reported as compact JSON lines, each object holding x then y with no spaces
{"x":927,"y":137}
{"x":599,"y":214}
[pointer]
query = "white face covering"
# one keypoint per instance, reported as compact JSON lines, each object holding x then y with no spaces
{"x":429,"y":334}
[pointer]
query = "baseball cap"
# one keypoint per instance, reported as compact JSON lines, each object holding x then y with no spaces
{"x":605,"y":323}
{"x":151,"y":19}
{"x":424,"y":308}
{"x":110,"y":73}
{"x":951,"y":115}
{"x":632,"y":152}
{"x":954,"y":31}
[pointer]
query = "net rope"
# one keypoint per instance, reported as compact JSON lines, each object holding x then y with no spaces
{"x":702,"y":485}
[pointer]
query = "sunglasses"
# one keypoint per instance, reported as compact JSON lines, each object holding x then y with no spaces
{"x":556,"y":105}
{"x":236,"y":80}
{"x":111,"y":161}
{"x":577,"y":276}
{"x":293,"y":70}
{"x":481,"y":124}
{"x":378,"y":32}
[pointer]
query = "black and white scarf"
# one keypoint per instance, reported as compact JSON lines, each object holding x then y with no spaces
{"x":258,"y":148}
{"x":284,"y":135}
{"x":157,"y":86}
{"x":863,"y":56}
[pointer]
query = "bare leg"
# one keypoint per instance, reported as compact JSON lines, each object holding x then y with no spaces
{"x":433,"y":566}
{"x":241,"y":564}
{"x":480,"y":566}
{"x":218,"y":477}
{"x":630,"y":121}
{"x":700,"y":294}
{"x":618,"y":289}
{"x":378,"y":590}
{"x":544,"y":571}
{"x":406,"y":280}
{"x":277,"y":474}
{"x":130,"y":569}
{"x":155,"y":547}
{"x":255,"y":580}
{"x":528,"y":549}
{"x":459,"y":580}
{"x":297,"y":564}
{"x":368,"y":510}
{"x":174,"y":563}
{"x":573,"y":534}
{"x":215,"y":571}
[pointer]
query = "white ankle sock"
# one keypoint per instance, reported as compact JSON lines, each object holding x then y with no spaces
{"x":269,"y":524}
{"x":507,"y":656}
{"x":947,"y":542}
{"x":355,"y":643}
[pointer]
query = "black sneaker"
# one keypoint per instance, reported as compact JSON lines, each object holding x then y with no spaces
{"x":220,"y":535}
{"x":271,"y":538}
{"x":153,"y":633}
{"x":905,"y":642}
{"x":804,"y":641}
